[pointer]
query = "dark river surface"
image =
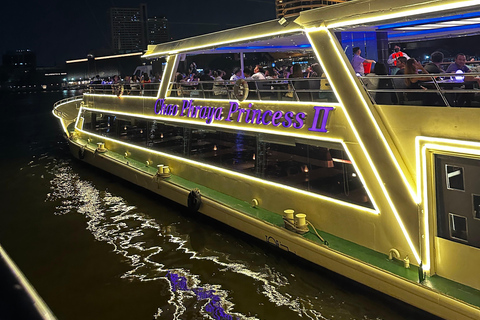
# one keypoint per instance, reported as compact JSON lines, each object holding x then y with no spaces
{"x":97,"y":247}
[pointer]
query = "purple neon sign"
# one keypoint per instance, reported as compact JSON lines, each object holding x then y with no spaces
{"x":248,"y":115}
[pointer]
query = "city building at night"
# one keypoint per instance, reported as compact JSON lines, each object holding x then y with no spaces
{"x":132,"y":30}
{"x":289,"y":8}
{"x":157,"y":30}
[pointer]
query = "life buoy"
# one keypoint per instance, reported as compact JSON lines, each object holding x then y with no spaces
{"x":240,"y":89}
{"x":194,"y":200}
{"x":81,"y":153}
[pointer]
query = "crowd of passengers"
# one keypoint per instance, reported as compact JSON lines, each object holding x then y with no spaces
{"x":399,"y":63}
{"x":133,"y":85}
{"x":214,"y":80}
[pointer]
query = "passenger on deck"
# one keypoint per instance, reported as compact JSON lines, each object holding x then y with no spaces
{"x":357,"y":61}
{"x":401,"y":63}
{"x":463,"y":99}
{"x":247,"y":74}
{"x":392,"y":59}
{"x":296,"y":71}
{"x":207,"y":75}
{"x":270,"y":73}
{"x":258,"y":73}
{"x":237,"y":74}
{"x":459,"y":64}
{"x":434,"y":66}
{"x":412,"y":67}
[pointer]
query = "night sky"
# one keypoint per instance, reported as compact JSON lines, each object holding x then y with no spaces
{"x":62,"y":30}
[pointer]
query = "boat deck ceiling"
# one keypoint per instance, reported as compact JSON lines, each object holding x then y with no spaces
{"x":407,"y":20}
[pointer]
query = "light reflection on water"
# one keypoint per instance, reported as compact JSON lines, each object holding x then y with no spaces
{"x":141,"y":241}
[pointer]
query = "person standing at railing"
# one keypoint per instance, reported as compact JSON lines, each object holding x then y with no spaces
{"x":357,"y":61}
{"x":393,"y":59}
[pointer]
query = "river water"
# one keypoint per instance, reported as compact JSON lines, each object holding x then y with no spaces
{"x":97,"y":247}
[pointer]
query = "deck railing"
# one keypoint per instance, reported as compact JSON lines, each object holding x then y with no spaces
{"x":446,"y":90}
{"x":295,"y":89}
{"x":120,"y":89}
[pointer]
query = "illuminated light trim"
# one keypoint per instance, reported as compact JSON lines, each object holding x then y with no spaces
{"x":358,"y":207}
{"x":38,"y":303}
{"x":61,"y":121}
{"x":78,"y":60}
{"x":435,"y":30}
{"x":172,"y":52}
{"x":121,"y":97}
{"x":411,"y":190}
{"x":335,"y":104}
{"x":360,"y":142}
{"x":406,"y":13}
{"x":341,"y":161}
{"x":60,"y":118}
{"x":106,"y":57}
{"x":431,"y":144}
{"x":119,"y":56}
{"x":214,"y":168}
{"x":424,"y":21}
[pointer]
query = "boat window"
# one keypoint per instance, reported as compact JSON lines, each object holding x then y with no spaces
{"x":454,"y":178}
{"x":458,"y":227}
{"x":476,"y":206}
{"x":323,"y":169}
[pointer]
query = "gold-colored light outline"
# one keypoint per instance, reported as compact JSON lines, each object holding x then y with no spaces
{"x":213,"y":44}
{"x":367,"y":155}
{"x":406,"y":13}
{"x":360,"y":208}
{"x":421,"y":165}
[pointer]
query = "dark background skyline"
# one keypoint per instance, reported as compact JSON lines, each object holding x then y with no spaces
{"x":62,"y":30}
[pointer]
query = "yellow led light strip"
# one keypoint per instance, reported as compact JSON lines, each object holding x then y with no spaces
{"x":38,"y":303}
{"x":333,"y":104}
{"x":230,"y":41}
{"x":411,"y":190}
{"x":360,"y":208}
{"x":374,"y":169}
{"x":61,"y":121}
{"x":421,"y":165}
{"x":106,"y":57}
{"x":406,"y":13}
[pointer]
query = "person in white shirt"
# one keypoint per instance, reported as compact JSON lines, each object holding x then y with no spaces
{"x":237,"y":74}
{"x":258,"y":73}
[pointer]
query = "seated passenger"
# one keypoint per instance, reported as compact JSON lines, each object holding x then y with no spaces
{"x":434,"y":66}
{"x":247,"y":73}
{"x":400,"y":65}
{"x":412,"y":67}
{"x":237,"y":74}
{"x":459,"y":64}
{"x":258,"y":73}
{"x":384,"y":84}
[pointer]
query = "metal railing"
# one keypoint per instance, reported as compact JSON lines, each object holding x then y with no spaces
{"x":441,"y":89}
{"x":120,"y":89}
{"x":294,"y":89}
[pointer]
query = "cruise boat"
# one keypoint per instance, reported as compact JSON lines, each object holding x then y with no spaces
{"x":362,"y":179}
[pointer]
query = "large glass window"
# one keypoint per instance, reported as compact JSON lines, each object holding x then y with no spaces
{"x":318,"y":167}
